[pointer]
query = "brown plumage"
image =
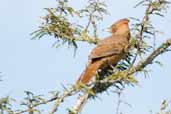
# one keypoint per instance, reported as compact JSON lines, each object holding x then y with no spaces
{"x":108,"y":51}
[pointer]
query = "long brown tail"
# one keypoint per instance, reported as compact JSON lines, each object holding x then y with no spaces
{"x":89,"y":72}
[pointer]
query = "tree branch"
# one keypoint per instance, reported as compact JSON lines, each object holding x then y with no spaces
{"x":160,"y":50}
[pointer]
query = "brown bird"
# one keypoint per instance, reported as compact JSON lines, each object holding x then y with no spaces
{"x":108,"y":51}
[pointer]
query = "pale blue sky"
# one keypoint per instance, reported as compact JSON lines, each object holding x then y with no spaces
{"x":33,"y":65}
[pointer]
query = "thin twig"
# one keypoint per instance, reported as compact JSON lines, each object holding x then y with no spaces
{"x":60,"y":100}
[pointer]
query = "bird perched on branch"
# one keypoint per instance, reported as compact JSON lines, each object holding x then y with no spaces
{"x":108,"y":51}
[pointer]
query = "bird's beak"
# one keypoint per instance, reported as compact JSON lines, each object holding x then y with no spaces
{"x":109,"y":29}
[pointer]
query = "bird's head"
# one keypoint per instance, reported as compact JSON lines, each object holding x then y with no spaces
{"x":120,"y":27}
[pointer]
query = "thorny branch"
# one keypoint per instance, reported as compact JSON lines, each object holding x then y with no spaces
{"x":160,"y":50}
{"x":71,"y":33}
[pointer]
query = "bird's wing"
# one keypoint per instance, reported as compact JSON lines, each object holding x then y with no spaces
{"x":106,"y":48}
